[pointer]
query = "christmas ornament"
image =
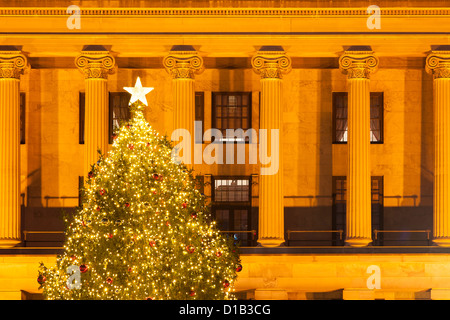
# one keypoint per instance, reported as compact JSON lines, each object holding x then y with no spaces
{"x":127,"y":205}
{"x":239,"y":268}
{"x":102,"y":192}
{"x":109,"y":280}
{"x":184,"y":205}
{"x":192,"y":293}
{"x":152,"y":243}
{"x":83,"y":268}
{"x":190,"y":248}
{"x":218,"y":254}
{"x":194,"y":215}
{"x":41,"y":279}
{"x":226,"y":284}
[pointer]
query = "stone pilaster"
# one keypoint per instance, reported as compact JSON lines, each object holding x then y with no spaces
{"x":12,"y":65}
{"x":438,"y":64}
{"x":182,"y":63}
{"x":96,"y":65}
{"x":271,"y":63}
{"x":358,"y":65}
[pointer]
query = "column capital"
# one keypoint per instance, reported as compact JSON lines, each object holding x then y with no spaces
{"x":12,"y":64}
{"x":358,"y":64}
{"x":97,"y":63}
{"x":183,"y":62}
{"x":438,"y":64}
{"x":271,"y":62}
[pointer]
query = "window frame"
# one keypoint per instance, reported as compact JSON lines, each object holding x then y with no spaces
{"x":111,"y":119}
{"x":199,"y":96}
{"x":214,"y":114}
{"x":81,"y":116}
{"x":380,"y":223}
{"x":335,"y":96}
{"x":22,"y":117}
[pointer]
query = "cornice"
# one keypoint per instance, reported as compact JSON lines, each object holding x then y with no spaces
{"x":175,"y":12}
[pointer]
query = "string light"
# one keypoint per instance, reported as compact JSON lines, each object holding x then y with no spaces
{"x":140,"y":213}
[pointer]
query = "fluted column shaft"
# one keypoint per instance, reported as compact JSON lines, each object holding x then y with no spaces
{"x":95,"y":66}
{"x":182,"y":66}
{"x":271,"y":66}
{"x":358,"y":66}
{"x":96,"y":121}
{"x":12,"y":65}
{"x":438,"y":64}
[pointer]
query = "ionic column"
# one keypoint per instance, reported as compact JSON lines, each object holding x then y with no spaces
{"x":95,"y":65}
{"x":358,"y":65}
{"x":438,"y":64}
{"x":271,"y":63}
{"x":12,"y":65}
{"x":182,"y":64}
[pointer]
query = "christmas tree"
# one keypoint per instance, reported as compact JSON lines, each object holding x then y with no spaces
{"x":143,"y":231}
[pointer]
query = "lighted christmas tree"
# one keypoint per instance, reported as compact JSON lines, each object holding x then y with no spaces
{"x":144,"y":231}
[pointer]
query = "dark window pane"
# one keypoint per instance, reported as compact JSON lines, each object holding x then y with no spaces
{"x":119,"y":111}
{"x":340,"y":107}
{"x":231,"y":111}
{"x":231,"y":190}
{"x":22,"y":118}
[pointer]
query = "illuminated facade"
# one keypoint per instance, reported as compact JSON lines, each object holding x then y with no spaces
{"x":362,"y":177}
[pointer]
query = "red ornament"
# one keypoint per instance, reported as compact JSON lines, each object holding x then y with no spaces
{"x":192,"y":293}
{"x":90,"y":174}
{"x":83,"y":268}
{"x":239,"y":268}
{"x":83,"y":223}
{"x":73,"y":257}
{"x":148,"y":144}
{"x":194,"y":215}
{"x":152,"y":243}
{"x":110,"y":235}
{"x":41,"y":279}
{"x":98,"y":208}
{"x":102,"y":192}
{"x":131,"y":146}
{"x":127,"y":205}
{"x":226,"y":284}
{"x":184,"y":205}
{"x":130,"y":269}
{"x":218,"y":253}
{"x":114,"y":136}
{"x":167,"y":223}
{"x":190,"y":248}
{"x":109,"y":280}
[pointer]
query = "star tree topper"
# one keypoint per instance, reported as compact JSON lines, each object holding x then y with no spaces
{"x":138,"y":92}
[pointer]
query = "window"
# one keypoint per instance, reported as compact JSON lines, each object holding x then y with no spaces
{"x":231,"y":190}
{"x":81,"y":106}
{"x":119,"y":111}
{"x":231,"y":207}
{"x":200,"y":114}
{"x":340,"y":107}
{"x":231,"y":111}
{"x":22,"y":118}
{"x":340,"y":208}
